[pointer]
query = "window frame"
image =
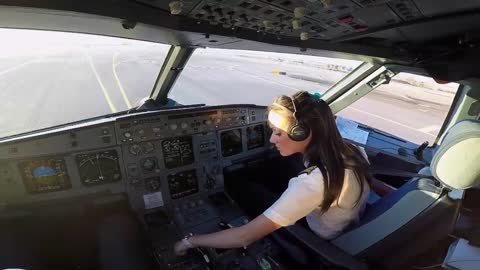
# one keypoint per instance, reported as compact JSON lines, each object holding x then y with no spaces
{"x":343,"y":97}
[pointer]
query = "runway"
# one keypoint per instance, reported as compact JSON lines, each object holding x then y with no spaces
{"x":71,"y":84}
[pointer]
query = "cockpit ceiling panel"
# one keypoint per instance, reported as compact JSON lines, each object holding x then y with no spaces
{"x":406,"y":9}
{"x":322,"y":20}
{"x":435,"y":8}
{"x":288,"y":17}
{"x":399,"y":31}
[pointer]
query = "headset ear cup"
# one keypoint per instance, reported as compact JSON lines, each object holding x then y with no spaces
{"x":298,"y":133}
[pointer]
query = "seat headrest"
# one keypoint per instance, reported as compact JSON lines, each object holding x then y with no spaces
{"x":457,"y":162}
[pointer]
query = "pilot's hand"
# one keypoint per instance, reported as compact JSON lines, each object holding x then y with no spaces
{"x":180,"y":248}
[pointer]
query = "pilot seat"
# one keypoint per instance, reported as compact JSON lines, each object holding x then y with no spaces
{"x":411,"y":219}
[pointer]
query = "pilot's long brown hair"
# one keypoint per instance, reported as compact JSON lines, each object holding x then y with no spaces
{"x":327,"y":149}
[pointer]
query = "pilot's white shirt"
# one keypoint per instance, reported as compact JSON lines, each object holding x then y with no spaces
{"x":304,"y":196}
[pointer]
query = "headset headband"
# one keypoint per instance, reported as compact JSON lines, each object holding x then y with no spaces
{"x":294,"y":107}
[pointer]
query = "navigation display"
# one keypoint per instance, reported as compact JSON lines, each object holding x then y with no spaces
{"x":45,"y":175}
{"x":182,"y":184}
{"x":255,"y":137}
{"x":177,"y":152}
{"x":231,"y":142}
{"x":98,"y":168}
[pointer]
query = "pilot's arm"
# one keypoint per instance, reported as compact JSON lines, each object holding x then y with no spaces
{"x":303,"y":195}
{"x":231,"y":238}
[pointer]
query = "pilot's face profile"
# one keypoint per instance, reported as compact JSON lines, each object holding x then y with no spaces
{"x":281,"y":141}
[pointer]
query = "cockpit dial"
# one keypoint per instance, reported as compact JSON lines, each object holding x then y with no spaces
{"x":99,"y":168}
{"x":135,"y":149}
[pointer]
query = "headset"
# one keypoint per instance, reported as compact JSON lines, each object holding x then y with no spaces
{"x":297,"y":132}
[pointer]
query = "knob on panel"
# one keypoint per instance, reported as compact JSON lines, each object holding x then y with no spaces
{"x":149,"y":164}
{"x":152,"y":184}
{"x":134,"y":149}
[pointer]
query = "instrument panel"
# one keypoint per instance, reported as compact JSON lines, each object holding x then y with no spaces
{"x":255,"y":137}
{"x":99,"y":167}
{"x":177,"y":152}
{"x":231,"y":142}
{"x":157,"y":158}
{"x":182,"y":184}
{"x":47,"y":174}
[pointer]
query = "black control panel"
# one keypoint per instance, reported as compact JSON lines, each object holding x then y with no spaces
{"x":159,"y":158}
{"x":45,"y":175}
{"x":177,"y":152}
{"x":178,"y":123}
{"x":186,"y":149}
{"x":263,"y":254}
{"x":182,"y":184}
{"x":99,"y":167}
{"x":231,"y":142}
{"x":255,"y":137}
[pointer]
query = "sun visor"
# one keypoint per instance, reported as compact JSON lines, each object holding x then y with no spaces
{"x":456,"y":66}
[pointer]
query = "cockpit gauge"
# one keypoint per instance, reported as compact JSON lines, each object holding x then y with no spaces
{"x":45,"y":174}
{"x":149,"y":164}
{"x":141,"y":148}
{"x":152,"y":184}
{"x":177,"y":152}
{"x":99,"y":168}
{"x":182,"y":184}
{"x":139,"y":132}
{"x":147,"y":147}
{"x":135,"y":149}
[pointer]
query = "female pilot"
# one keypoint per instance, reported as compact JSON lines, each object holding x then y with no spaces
{"x":331,"y":194}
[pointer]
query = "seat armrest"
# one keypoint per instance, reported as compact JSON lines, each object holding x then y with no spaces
{"x":324,"y":249}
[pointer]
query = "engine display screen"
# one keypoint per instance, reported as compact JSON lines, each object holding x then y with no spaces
{"x":255,"y":137}
{"x":182,"y":184}
{"x":177,"y":152}
{"x":98,"y":168}
{"x":45,"y":175}
{"x":231,"y":142}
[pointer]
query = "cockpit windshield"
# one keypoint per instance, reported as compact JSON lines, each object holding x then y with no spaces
{"x":53,"y":78}
{"x":219,"y":76}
